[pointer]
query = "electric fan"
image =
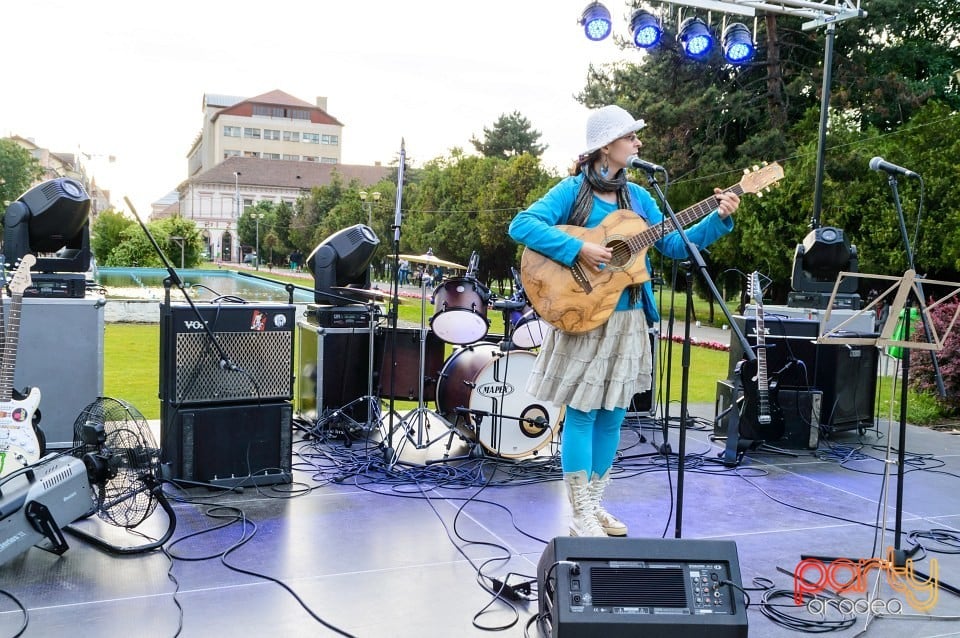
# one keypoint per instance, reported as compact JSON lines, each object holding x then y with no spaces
{"x":123,"y":465}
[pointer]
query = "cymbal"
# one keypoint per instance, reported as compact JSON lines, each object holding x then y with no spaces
{"x":361,"y":293}
{"x":427,"y":258}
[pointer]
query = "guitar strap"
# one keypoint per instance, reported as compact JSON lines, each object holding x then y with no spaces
{"x":731,"y":455}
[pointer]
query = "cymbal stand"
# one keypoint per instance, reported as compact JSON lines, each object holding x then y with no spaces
{"x":416,"y":422}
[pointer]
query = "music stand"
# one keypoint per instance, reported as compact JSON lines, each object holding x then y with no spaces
{"x":904,"y":290}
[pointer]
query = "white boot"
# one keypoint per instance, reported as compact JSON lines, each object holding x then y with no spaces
{"x":610,"y":524}
{"x":581,"y":500}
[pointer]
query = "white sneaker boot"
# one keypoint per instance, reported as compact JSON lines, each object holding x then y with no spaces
{"x":585,"y":522}
{"x":610,"y":524}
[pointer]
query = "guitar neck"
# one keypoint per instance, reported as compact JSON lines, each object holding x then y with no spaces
{"x":8,"y":366}
{"x":649,"y":237}
{"x":763,"y":385}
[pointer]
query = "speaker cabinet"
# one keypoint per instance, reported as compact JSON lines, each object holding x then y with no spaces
{"x":228,"y":445}
{"x":791,"y":348}
{"x":645,"y":403}
{"x":651,"y":587}
{"x":333,"y":369}
{"x":847,"y":376}
{"x":256,"y":339}
{"x":801,"y":418}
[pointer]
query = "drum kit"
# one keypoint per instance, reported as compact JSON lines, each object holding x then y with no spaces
{"x":480,"y":389}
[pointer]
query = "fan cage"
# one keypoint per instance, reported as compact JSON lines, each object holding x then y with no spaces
{"x":131,"y":455}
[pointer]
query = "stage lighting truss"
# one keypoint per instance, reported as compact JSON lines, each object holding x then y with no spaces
{"x":596,"y":21}
{"x":645,"y":29}
{"x":738,"y":47}
{"x":695,"y":38}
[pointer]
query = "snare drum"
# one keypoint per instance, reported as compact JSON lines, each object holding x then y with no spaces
{"x":483,"y":378}
{"x":461,"y":315}
{"x":528,"y":328}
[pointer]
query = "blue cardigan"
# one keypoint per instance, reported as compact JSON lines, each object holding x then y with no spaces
{"x":535,"y":228}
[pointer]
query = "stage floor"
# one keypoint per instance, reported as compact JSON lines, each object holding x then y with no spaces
{"x":374,"y":551}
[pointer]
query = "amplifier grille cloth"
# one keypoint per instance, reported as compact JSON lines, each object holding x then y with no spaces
{"x":266,"y":359}
{"x":638,"y":587}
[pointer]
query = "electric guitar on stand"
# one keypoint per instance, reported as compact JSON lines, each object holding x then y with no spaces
{"x":21,"y":443}
{"x":574,"y":300}
{"x":760,"y":416}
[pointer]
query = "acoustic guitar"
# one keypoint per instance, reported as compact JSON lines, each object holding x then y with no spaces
{"x":574,"y":300}
{"x":760,"y":416}
{"x":19,"y":444}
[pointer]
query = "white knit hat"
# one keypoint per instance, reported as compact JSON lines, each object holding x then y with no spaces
{"x":607,"y":124}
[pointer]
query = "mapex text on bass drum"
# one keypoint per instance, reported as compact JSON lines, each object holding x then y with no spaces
{"x":507,"y":420}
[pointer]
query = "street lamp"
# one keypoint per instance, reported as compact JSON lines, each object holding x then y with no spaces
{"x":236,"y":185}
{"x":179,"y":240}
{"x":375,"y":196}
{"x":257,"y":217}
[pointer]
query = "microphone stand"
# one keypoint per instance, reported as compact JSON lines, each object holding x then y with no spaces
{"x":892,"y":180}
{"x":225,"y":363}
{"x":389,"y":453}
{"x":696,"y":258}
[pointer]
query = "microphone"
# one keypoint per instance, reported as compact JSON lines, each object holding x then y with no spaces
{"x":635,"y":162}
{"x":880,"y":164}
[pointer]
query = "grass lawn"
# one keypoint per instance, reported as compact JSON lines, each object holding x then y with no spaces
{"x":132,"y":363}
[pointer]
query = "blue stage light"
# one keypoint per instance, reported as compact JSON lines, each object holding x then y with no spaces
{"x":645,"y":29}
{"x":596,"y":21}
{"x":695,"y":38}
{"x":738,"y":43}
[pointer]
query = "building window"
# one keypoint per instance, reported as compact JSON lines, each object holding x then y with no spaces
{"x":251,"y":154}
{"x":231,"y":153}
{"x":231,"y":131}
{"x":252,"y":133}
{"x":271,"y":134}
{"x":298,"y":114}
{"x":275,"y":156}
{"x":311,"y":138}
{"x":310,"y":158}
{"x":328,"y":160}
{"x":332,"y":140}
{"x":291,"y":136}
{"x":293,"y":158}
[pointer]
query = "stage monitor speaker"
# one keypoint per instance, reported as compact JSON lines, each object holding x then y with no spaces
{"x":256,"y":338}
{"x":847,"y":376}
{"x":231,"y":445}
{"x":791,"y":348}
{"x":333,"y":370}
{"x":651,"y":587}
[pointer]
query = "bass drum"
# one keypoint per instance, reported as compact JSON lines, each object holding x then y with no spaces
{"x":493,"y":383}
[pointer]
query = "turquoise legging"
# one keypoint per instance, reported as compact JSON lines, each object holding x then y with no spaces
{"x":590,"y":440}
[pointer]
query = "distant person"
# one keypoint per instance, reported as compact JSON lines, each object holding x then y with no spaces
{"x":403,"y":275}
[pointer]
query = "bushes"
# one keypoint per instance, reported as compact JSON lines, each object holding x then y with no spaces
{"x":921,"y":368}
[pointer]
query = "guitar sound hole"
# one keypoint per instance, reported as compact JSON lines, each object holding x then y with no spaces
{"x":621,"y":253}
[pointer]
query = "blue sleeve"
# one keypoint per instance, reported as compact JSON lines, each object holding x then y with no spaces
{"x":535,"y":227}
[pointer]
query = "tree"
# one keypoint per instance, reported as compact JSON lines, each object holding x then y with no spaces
{"x":510,"y":135}
{"x":107,"y":233}
{"x":136,"y":250}
{"x":708,"y":120}
{"x":18,"y":170}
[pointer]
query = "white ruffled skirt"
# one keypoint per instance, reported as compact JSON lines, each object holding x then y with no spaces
{"x":602,"y":368}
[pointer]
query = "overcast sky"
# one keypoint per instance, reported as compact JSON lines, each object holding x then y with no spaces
{"x":127,"y":79}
